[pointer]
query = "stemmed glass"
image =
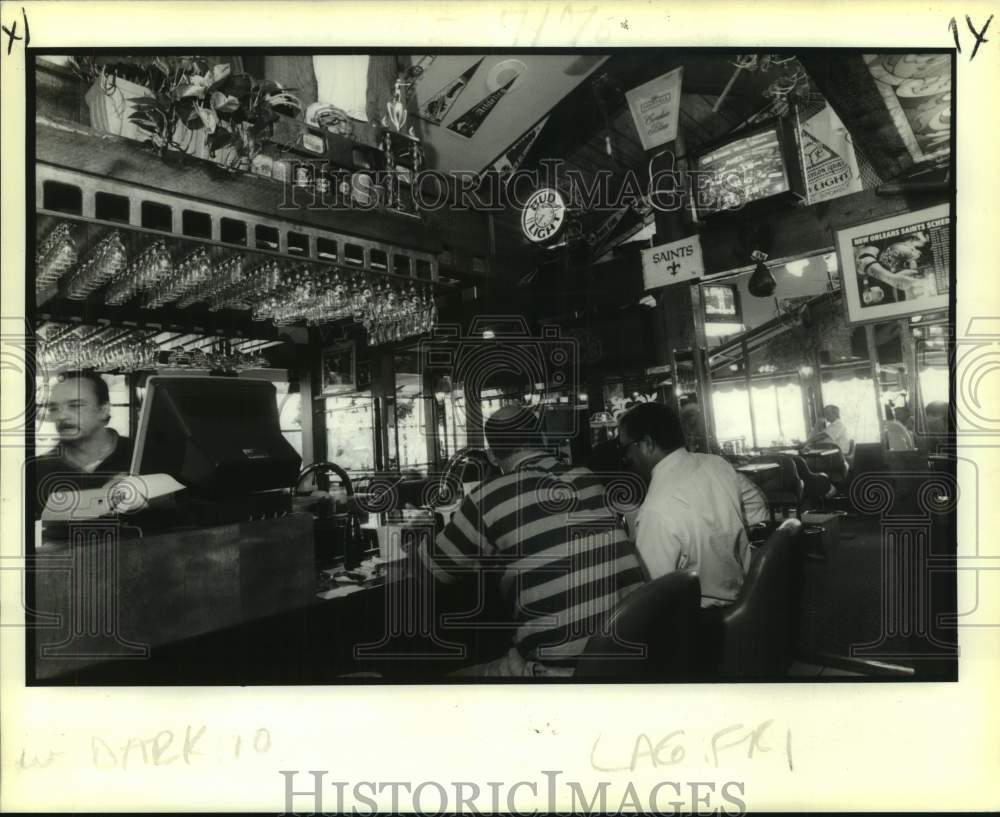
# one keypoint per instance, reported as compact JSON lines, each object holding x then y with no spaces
{"x":222,"y":275}
{"x":104,"y":263}
{"x":195,"y":269}
{"x":153,"y":266}
{"x":55,"y":257}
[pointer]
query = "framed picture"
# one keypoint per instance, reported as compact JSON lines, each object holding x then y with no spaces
{"x":896,"y":266}
{"x":339,"y":373}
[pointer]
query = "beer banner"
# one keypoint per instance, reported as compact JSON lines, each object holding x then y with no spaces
{"x":436,"y":108}
{"x":829,"y":166}
{"x":512,"y":159}
{"x":472,"y":120}
{"x":655,"y":108}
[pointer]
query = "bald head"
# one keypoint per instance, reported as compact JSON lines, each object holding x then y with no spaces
{"x":512,"y":429}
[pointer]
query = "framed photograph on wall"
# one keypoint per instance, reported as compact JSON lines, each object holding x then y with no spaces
{"x":339,"y":373}
{"x":897,"y":266}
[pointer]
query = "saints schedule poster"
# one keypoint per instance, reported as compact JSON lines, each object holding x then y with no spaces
{"x":911,"y":260}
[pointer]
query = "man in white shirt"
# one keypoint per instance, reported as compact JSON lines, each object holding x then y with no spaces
{"x":697,"y":506}
{"x":833,"y":428}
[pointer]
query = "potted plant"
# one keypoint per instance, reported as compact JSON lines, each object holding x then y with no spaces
{"x":184,"y":104}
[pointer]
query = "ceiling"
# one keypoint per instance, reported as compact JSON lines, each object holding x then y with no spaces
{"x":543,"y":80}
{"x":591,"y":129}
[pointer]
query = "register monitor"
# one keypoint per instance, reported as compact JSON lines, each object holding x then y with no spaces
{"x":218,"y":436}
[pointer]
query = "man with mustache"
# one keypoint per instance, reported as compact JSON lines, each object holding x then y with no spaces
{"x":89,"y":454}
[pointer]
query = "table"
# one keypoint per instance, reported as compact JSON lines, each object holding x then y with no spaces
{"x":829,"y":461}
{"x":757,"y":467}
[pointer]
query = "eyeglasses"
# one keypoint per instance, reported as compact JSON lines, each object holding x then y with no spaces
{"x":623,"y":449}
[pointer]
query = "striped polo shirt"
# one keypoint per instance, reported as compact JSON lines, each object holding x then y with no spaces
{"x":548,"y":534}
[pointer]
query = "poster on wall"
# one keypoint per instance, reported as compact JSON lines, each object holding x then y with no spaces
{"x":829,"y":166}
{"x":897,"y":266}
{"x":339,"y":373}
{"x":655,"y":107}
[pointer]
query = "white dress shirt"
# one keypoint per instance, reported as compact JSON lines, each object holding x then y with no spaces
{"x":694,"y":517}
{"x":837,"y":432}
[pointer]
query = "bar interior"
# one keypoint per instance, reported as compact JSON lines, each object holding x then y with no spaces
{"x":625,"y":366}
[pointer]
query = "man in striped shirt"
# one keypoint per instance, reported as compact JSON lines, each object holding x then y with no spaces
{"x":548,"y":538}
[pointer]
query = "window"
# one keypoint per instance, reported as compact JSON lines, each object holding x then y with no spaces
{"x":451,"y":404}
{"x":350,"y":435}
{"x":852,"y":392}
{"x":290,"y":415}
{"x":777,"y":412}
{"x":731,"y":411}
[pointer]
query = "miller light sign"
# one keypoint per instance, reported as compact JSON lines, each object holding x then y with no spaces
{"x":672,"y":263}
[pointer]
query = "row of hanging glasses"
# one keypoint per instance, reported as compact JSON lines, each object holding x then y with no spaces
{"x":388,"y":311}
{"x":393,"y":315}
{"x":189,"y":273}
{"x":223,"y":356}
{"x":274,"y":291}
{"x":104,"y":349}
{"x":64,"y":347}
{"x":106,"y":261}
{"x":56,"y":256}
{"x":152,"y":266}
{"x":255,"y":286}
{"x":228,"y":272}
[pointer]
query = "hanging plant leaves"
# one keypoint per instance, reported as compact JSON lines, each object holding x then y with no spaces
{"x":143,"y":101}
{"x":208,"y":117}
{"x":239,"y":85}
{"x":223,"y":103}
{"x":218,"y":76}
{"x":269,"y":86}
{"x":219,"y":138}
{"x":188,"y":89}
{"x":143,"y":122}
{"x":193,"y":120}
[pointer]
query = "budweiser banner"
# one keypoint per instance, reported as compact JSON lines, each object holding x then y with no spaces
{"x":829,"y":166}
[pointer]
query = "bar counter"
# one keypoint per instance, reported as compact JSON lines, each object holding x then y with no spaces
{"x":245,"y":603}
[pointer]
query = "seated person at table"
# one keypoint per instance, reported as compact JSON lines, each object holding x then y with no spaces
{"x":89,"y":454}
{"x":830,"y":429}
{"x":527,"y":530}
{"x":697,"y":507}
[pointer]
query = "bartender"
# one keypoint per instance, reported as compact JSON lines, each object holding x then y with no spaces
{"x":89,"y":454}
